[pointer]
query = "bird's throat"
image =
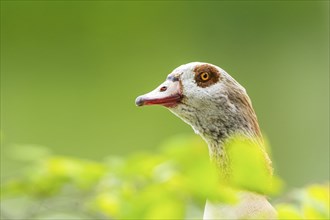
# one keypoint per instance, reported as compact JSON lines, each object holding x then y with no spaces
{"x":219,"y":157}
{"x":216,"y":130}
{"x":218,"y":123}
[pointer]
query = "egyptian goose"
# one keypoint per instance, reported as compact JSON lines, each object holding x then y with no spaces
{"x":217,"y":107}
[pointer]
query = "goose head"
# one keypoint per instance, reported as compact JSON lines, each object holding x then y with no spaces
{"x":207,"y":98}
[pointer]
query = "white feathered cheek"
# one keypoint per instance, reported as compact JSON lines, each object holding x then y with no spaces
{"x":196,"y":95}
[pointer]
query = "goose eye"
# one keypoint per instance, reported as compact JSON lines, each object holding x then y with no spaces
{"x":205,"y":76}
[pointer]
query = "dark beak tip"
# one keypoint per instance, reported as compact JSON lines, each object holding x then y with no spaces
{"x":139,"y":101}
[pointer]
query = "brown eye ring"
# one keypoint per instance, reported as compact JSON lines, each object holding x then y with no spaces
{"x":205,"y":76}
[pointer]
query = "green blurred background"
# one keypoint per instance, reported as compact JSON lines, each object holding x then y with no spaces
{"x":70,"y":72}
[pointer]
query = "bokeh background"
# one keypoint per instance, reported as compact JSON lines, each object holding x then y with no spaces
{"x":71,"y":70}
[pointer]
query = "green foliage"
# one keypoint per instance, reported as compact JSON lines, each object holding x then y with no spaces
{"x":171,"y":184}
{"x":313,"y":202}
{"x":250,"y":167}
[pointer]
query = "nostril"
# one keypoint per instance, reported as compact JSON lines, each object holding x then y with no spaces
{"x":163,"y":89}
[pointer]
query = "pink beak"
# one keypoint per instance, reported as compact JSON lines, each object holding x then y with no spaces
{"x":168,"y":94}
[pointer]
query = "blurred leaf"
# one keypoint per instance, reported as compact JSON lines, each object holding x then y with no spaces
{"x":311,"y":202}
{"x":286,"y":211}
{"x":172,"y":184}
{"x":250,"y":169}
{"x":108,"y":204}
{"x":316,"y":202}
